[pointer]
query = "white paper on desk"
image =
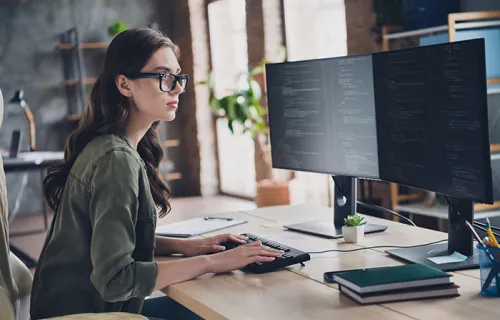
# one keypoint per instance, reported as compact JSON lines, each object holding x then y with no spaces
{"x":452,"y":258}
{"x":41,"y":155}
{"x":196,"y":226}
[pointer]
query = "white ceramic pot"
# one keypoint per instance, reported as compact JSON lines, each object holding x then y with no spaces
{"x":353,"y":234}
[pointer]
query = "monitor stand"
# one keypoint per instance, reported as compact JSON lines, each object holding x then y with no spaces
{"x":459,"y":240}
{"x":344,"y":205}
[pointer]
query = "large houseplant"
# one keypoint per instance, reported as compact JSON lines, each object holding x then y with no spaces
{"x":244,"y":107}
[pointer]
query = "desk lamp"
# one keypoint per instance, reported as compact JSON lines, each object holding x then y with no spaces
{"x":18,"y":101}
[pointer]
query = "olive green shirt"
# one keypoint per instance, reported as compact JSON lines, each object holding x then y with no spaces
{"x":98,"y":254}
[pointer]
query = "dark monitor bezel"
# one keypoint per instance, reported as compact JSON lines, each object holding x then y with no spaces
{"x":488,"y":183}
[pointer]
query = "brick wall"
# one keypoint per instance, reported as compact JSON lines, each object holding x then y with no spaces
{"x":186,"y":23}
{"x":359,"y":21}
{"x":174,"y":21}
{"x":255,"y":31}
{"x":204,"y":118}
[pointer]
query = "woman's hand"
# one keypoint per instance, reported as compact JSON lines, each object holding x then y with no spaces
{"x":242,"y":256}
{"x":195,"y":247}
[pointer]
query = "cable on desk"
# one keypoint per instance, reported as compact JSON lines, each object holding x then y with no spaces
{"x":378,"y":247}
{"x":375,"y":207}
{"x":384,"y":210}
{"x":480,"y":227}
{"x":480,"y":224}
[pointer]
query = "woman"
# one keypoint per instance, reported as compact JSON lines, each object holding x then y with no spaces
{"x":98,"y":255}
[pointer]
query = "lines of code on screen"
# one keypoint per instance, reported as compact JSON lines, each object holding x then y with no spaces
{"x":323,"y":116}
{"x":432,"y":118}
{"x":417,"y":117}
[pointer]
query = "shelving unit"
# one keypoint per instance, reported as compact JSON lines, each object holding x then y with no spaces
{"x":76,"y":83}
{"x":456,"y":21}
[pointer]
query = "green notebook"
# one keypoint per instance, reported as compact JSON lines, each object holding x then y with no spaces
{"x":391,"y":278}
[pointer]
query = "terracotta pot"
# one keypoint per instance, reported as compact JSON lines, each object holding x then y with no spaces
{"x":272,"y":193}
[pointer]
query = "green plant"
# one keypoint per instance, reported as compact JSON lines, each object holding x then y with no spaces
{"x":354,"y":221}
{"x":116,"y":27}
{"x":242,"y":105}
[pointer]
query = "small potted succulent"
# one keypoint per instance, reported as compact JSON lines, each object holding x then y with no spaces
{"x":354,"y":228}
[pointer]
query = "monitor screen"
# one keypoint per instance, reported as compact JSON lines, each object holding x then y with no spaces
{"x":416,"y":117}
{"x":322,"y":116}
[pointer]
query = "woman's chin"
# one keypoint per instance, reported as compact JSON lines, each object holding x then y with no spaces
{"x":168,"y":116}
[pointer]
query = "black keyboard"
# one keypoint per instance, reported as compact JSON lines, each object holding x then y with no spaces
{"x":289,"y":257}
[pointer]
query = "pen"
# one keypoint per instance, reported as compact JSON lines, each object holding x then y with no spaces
{"x":216,"y":218}
{"x":489,"y":254}
{"x":492,"y":237}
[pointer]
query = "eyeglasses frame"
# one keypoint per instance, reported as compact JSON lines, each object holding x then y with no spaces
{"x":160,"y":76}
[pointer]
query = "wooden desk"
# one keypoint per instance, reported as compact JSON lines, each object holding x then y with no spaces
{"x":300,"y":292}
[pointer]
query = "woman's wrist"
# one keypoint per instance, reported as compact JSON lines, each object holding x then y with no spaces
{"x":166,"y":246}
{"x":208,"y":264}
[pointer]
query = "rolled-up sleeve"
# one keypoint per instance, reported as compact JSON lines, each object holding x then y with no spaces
{"x":114,"y":211}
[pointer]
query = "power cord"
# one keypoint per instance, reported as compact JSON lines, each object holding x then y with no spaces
{"x":480,"y":224}
{"x":374,"y":206}
{"x":378,"y":247}
{"x":384,"y":210}
{"x":483,"y":228}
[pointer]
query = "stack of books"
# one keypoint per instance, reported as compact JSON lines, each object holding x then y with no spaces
{"x":397,"y":283}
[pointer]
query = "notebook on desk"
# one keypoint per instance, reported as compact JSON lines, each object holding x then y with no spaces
{"x":196,"y":226}
{"x":394,"y":283}
{"x":390,"y":278}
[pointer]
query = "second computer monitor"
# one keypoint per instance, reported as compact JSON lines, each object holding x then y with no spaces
{"x":416,"y":117}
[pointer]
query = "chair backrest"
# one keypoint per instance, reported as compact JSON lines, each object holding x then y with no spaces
{"x":8,"y":288}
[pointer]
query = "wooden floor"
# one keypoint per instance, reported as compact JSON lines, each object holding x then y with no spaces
{"x":182,"y":208}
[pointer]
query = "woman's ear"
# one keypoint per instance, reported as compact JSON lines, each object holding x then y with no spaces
{"x":124,"y":86}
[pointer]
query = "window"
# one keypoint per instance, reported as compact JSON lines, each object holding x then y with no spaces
{"x":228,"y":42}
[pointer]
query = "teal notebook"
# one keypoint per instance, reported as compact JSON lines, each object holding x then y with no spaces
{"x":391,"y":278}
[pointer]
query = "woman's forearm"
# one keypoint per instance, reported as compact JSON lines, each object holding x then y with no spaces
{"x":166,"y":246}
{"x":181,"y":270}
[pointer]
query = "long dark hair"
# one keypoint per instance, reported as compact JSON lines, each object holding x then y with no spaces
{"x":108,"y":110}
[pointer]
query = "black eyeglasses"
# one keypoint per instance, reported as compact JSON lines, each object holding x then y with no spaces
{"x":168,"y":81}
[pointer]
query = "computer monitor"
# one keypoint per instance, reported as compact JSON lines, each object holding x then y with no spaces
{"x":415,"y":117}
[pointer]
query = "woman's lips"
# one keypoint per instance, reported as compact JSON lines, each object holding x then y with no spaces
{"x":173,"y":104}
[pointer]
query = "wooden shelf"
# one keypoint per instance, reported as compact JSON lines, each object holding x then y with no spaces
{"x":174,"y":176}
{"x":415,"y":33}
{"x":438,"y":29}
{"x":74,"y":117}
{"x":86,"y":81}
{"x":171,"y":143}
{"x":481,"y":211}
{"x":88,"y":45}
